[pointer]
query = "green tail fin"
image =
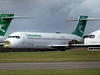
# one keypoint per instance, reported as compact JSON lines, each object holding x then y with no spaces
{"x":4,"y":23}
{"x":79,"y":30}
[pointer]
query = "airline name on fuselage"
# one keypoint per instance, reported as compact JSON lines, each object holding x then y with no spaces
{"x":33,"y":35}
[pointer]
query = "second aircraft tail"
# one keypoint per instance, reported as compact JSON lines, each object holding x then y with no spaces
{"x":79,"y":30}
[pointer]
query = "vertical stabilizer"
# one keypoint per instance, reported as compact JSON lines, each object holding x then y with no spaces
{"x":79,"y":30}
{"x":4,"y":23}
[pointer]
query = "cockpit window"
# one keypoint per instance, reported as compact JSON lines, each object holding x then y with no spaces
{"x":89,"y":36}
{"x":92,"y":36}
{"x":18,"y":37}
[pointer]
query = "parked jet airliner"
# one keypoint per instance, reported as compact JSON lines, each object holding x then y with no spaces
{"x":45,"y":40}
{"x":93,"y":39}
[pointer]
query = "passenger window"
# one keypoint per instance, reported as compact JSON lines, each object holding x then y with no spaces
{"x":18,"y":37}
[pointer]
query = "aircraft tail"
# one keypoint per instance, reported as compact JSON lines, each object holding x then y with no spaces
{"x":4,"y":23}
{"x":79,"y":30}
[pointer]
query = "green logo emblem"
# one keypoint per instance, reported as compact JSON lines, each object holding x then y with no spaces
{"x":2,"y":25}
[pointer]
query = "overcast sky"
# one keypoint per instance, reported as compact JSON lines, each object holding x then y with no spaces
{"x":50,"y":15}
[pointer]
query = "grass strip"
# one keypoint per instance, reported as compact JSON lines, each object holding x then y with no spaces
{"x":52,"y":72}
{"x":50,"y":56}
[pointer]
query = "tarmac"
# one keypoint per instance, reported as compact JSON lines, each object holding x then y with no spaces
{"x":50,"y":65}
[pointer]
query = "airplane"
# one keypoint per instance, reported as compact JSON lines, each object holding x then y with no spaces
{"x":35,"y":40}
{"x":93,"y":39}
{"x":90,"y":41}
{"x":5,"y":20}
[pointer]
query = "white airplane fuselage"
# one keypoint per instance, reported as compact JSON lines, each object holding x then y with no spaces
{"x":93,"y":38}
{"x":39,"y":40}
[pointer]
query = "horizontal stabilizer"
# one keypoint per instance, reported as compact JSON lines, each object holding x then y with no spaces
{"x":5,"y":18}
{"x":88,"y":19}
{"x":71,"y":20}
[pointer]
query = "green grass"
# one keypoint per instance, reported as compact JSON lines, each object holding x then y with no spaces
{"x":52,"y":72}
{"x":50,"y":56}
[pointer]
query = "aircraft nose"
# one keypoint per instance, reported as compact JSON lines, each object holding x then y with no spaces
{"x":7,"y":44}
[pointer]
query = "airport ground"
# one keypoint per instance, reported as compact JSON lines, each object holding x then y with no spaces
{"x":73,"y":55}
{"x":52,"y":72}
{"x":80,"y":54}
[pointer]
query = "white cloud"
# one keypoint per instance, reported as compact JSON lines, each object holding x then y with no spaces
{"x":87,"y":7}
{"x":49,"y":15}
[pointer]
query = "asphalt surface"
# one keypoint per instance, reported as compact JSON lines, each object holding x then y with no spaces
{"x":49,"y":65}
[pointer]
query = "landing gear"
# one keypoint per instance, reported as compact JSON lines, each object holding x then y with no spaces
{"x":64,"y":49}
